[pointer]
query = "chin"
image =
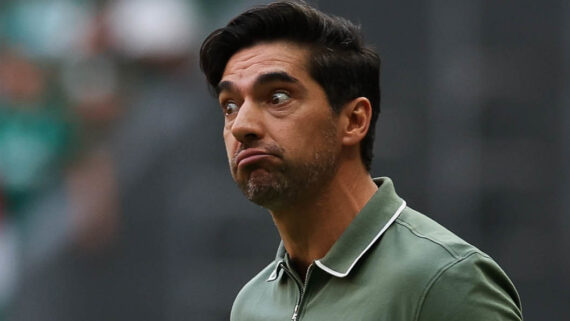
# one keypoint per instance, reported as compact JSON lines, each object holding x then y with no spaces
{"x":264,"y":188}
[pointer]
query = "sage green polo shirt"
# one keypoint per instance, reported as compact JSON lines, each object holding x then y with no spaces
{"x":391,"y":264}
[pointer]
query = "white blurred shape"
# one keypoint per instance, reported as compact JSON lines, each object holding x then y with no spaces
{"x":149,"y":28}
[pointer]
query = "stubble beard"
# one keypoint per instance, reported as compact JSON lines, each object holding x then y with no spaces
{"x":292,"y":182}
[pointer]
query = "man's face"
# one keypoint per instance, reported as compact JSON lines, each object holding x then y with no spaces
{"x":280,"y":132}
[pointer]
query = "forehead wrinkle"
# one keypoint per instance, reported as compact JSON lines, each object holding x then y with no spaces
{"x":260,"y":63}
{"x":264,"y":54}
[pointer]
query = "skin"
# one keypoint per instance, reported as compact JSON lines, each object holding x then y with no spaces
{"x":289,"y":152}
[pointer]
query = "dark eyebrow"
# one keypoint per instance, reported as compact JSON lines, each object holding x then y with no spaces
{"x":261,"y":80}
{"x":274,"y":76}
{"x":225,"y":85}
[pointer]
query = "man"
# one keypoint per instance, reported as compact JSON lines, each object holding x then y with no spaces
{"x":300,"y":94}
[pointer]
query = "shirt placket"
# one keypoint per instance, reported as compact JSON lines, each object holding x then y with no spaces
{"x":302,"y":286}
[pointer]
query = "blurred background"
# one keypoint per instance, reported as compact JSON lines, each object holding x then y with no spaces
{"x":115,"y":198}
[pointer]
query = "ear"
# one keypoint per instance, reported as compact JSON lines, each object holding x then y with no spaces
{"x":356,"y":120}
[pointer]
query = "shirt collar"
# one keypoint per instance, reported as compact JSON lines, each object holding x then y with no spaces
{"x":365,"y":229}
{"x":278,"y":263}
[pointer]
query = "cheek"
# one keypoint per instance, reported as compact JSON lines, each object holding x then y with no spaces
{"x":318,"y":135}
{"x":299,"y":141}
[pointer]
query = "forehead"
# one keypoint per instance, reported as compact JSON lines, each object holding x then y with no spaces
{"x":245,"y":65}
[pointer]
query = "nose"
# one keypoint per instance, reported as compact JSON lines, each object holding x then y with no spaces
{"x":247,"y":125}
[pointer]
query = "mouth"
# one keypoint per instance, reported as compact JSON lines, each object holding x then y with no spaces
{"x":250,"y":156}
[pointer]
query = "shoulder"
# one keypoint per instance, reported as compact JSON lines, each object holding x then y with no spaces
{"x":250,"y":293}
{"x":471,"y":288}
{"x":459,"y":281}
{"x":420,"y":229}
{"x":416,"y":248}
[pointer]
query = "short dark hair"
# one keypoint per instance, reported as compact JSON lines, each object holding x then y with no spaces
{"x":338,"y":61}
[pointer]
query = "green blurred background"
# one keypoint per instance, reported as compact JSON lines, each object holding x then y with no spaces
{"x":115,"y":198}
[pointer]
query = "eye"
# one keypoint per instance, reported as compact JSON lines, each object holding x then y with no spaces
{"x":230,"y":108}
{"x":279,"y":97}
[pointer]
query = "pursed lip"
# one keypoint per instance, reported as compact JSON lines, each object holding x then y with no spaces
{"x":251,"y":155}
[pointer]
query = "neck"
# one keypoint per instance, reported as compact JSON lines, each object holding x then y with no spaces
{"x":310,"y":228}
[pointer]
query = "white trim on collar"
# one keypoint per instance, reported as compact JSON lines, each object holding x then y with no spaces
{"x":273,"y":275}
{"x":342,"y":275}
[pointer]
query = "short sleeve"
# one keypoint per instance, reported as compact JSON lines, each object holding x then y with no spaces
{"x":473,"y":288}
